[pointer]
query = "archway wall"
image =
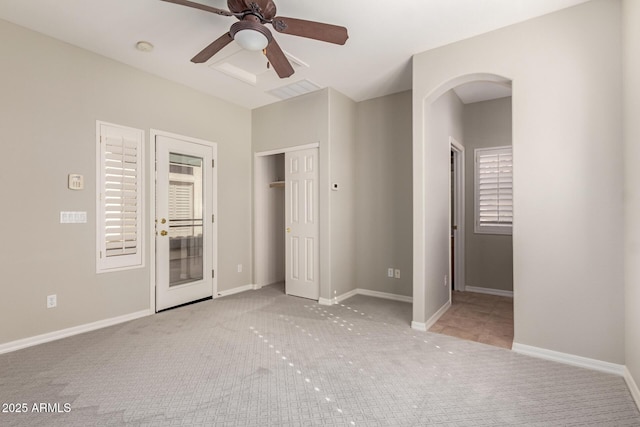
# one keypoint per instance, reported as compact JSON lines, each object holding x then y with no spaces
{"x":565,"y":70}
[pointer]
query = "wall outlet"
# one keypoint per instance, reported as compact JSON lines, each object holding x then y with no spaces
{"x":239,"y":268}
{"x":389,"y":272}
{"x":52,"y":301}
{"x":396,"y":273}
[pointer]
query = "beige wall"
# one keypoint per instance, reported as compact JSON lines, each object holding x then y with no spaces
{"x":565,"y":67}
{"x":488,"y":257}
{"x":52,"y":95}
{"x":631,"y":90}
{"x":383,"y":196}
{"x":438,"y":121}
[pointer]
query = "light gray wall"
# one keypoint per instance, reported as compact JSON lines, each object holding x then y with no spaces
{"x":439,"y":121}
{"x":274,"y":219}
{"x":52,"y":95}
{"x":567,"y":141}
{"x":488,"y":257}
{"x":631,"y":90}
{"x":297,"y":121}
{"x":342,"y":138}
{"x":325,"y":117}
{"x":383,"y":196}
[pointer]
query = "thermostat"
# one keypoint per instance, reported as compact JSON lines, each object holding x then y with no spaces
{"x":76,"y":182}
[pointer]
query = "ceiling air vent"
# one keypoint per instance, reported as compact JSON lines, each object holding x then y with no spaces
{"x":294,"y":89}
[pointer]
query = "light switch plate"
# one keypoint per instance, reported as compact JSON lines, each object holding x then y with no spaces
{"x":73,"y":217}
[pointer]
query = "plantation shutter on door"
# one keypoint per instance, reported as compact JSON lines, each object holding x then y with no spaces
{"x":494,"y":190}
{"x":120,"y":197}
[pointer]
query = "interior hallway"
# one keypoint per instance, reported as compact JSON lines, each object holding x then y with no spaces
{"x":478,"y":317}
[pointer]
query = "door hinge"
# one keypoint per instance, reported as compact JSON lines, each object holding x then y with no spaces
{"x":213,"y":218}
{"x":213,"y":163}
{"x":213,"y":274}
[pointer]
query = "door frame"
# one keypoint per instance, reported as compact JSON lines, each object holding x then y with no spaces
{"x":260,"y":232}
{"x":459,"y":214}
{"x":153,"y":133}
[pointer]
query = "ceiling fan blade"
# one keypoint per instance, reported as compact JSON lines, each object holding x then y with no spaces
{"x":310,"y":29}
{"x":201,"y":7}
{"x":278,"y":60}
{"x":212,"y":49}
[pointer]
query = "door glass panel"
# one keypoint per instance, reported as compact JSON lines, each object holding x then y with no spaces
{"x":185,"y":219}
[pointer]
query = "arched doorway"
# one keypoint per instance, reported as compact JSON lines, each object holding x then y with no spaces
{"x":442,"y":121}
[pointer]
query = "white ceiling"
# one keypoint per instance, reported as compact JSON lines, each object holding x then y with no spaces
{"x":482,"y":91}
{"x":375,"y":61}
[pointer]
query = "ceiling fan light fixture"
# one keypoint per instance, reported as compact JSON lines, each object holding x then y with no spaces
{"x":251,"y":35}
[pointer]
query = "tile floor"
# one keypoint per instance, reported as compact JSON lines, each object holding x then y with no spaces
{"x":478,"y":317}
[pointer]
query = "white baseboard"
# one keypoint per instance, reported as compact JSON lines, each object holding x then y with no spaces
{"x":633,"y":386}
{"x":337,"y":299}
{"x":250,"y":287}
{"x":76,"y":330}
{"x":367,"y":292}
{"x":419,"y":326}
{"x":384,"y":295}
{"x":346,"y":295}
{"x":489,"y":291}
{"x":437,"y":315}
{"x":569,"y":359}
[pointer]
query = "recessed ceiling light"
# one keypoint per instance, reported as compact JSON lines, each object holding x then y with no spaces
{"x":143,"y":46}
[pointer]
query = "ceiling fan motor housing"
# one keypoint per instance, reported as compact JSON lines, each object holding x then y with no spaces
{"x":265,"y":10}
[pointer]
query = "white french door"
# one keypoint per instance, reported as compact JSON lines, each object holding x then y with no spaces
{"x":301,"y":222}
{"x":185,"y":200}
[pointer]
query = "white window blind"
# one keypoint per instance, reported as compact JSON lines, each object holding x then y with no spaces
{"x":494,"y":190}
{"x":181,"y":200}
{"x":120,"y":197}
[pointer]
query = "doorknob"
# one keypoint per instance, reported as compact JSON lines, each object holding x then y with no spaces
{"x":163,"y":233}
{"x":163,"y":221}
{"x":288,"y":229}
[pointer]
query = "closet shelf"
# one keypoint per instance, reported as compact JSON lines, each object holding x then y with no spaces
{"x":277,"y":184}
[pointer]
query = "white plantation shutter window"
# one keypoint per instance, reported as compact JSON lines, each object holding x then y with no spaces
{"x":494,"y":190}
{"x":120,"y":197}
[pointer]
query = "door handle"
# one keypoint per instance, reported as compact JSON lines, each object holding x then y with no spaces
{"x":163,"y":233}
{"x":288,"y":229}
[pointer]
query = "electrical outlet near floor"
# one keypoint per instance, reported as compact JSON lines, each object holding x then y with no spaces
{"x":389,"y":272}
{"x":396,"y":273}
{"x":239,"y":268}
{"x":52,"y":301}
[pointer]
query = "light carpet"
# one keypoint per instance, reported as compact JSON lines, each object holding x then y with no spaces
{"x":262,"y":358}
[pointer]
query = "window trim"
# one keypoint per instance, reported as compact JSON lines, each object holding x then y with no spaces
{"x":499,"y":229}
{"x":129,"y":261}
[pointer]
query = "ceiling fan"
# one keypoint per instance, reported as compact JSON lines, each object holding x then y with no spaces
{"x":251,"y":33}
